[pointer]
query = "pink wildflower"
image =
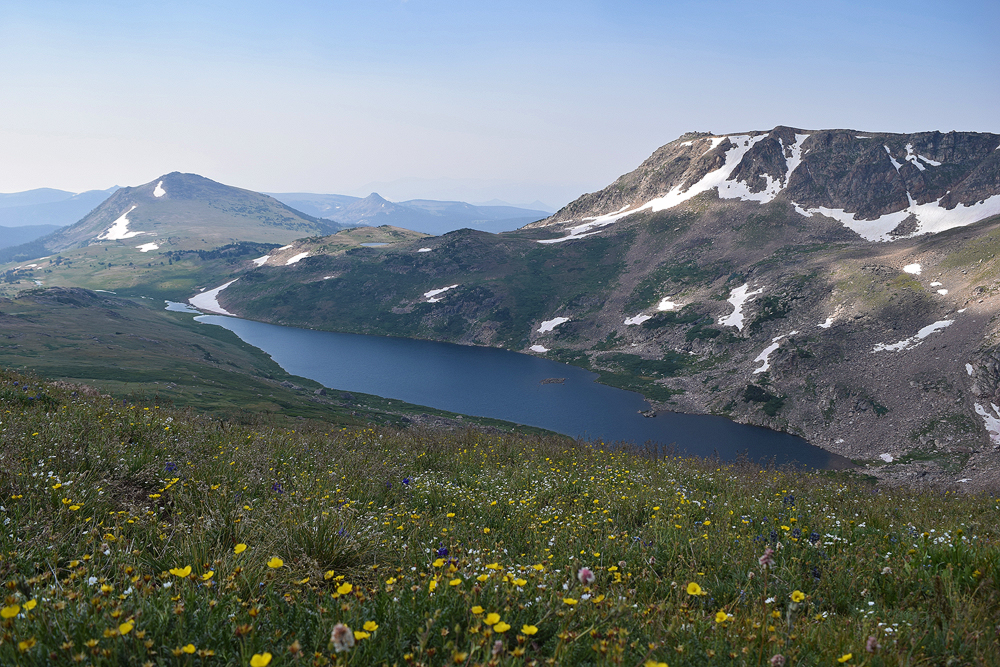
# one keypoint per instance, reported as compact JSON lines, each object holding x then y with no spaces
{"x":585,"y":576}
{"x":872,"y":644}
{"x":767,"y":559}
{"x":342,"y":638}
{"x":777,"y":660}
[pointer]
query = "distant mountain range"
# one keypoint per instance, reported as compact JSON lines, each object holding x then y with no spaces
{"x":421,"y":215}
{"x":41,"y":211}
{"x":25,"y":216}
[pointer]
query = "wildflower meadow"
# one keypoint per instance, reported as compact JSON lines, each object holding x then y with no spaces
{"x":135,"y":534}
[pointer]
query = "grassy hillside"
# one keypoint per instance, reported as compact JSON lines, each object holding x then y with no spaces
{"x":134,"y":349}
{"x":136,"y":534}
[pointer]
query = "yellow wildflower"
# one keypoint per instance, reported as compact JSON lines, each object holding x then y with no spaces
{"x":798,"y":596}
{"x":239,"y":548}
{"x":529,"y":629}
{"x":181,"y":571}
{"x":275,"y":563}
{"x":501,"y":627}
{"x":260,"y":660}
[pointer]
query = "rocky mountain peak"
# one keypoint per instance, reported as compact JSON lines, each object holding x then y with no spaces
{"x":882,"y":186}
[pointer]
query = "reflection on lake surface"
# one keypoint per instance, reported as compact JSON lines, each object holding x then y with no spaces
{"x":488,"y":382}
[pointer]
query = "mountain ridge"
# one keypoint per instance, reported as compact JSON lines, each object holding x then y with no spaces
{"x":880,"y":185}
{"x":428,"y":216}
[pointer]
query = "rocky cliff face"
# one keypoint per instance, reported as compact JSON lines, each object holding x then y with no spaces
{"x":836,"y":284}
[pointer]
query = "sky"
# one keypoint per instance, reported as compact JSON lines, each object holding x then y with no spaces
{"x":516,"y":100}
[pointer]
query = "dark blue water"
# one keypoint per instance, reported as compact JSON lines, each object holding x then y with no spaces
{"x":506,"y":385}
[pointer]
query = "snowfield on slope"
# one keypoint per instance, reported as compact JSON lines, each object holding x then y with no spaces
{"x":209,"y":301}
{"x":118,"y":230}
{"x":738,"y":297}
{"x":549,"y":325}
{"x":914,"y":340}
{"x":432,"y":295}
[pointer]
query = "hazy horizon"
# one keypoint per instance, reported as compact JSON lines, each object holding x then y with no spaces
{"x":443,"y":100}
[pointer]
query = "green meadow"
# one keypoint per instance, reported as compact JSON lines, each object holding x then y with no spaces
{"x":136,"y":534}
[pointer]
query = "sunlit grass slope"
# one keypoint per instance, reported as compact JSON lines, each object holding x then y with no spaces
{"x":139,"y":535}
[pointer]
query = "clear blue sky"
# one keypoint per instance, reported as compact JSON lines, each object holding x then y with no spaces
{"x":524,"y":100}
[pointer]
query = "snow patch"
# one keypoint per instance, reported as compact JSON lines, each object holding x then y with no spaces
{"x":915,"y":158}
{"x":713,"y":179}
{"x":638,"y":319}
{"x":931,"y":217}
{"x":209,"y":301}
{"x":119,"y":229}
{"x":718,"y":140}
{"x":914,"y":340}
{"x":549,"y":325}
{"x":766,"y":354}
{"x":969,"y":369}
{"x":738,"y":297}
{"x":432,"y":296}
{"x":827,"y":324}
{"x":538,"y":348}
{"x":886,"y":457}
{"x":942,"y":292}
{"x":912,"y":268}
{"x":146,"y":247}
{"x":285,"y":247}
{"x":792,"y":163}
{"x":260,"y":261}
{"x":666,"y":304}
{"x":936,"y":284}
{"x":687,"y":143}
{"x":158,"y":191}
{"x":424,"y":250}
{"x":895,"y":164}
{"x":990,"y":421}
{"x":296,"y":258}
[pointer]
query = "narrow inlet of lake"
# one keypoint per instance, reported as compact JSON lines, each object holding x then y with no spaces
{"x":488,"y":382}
